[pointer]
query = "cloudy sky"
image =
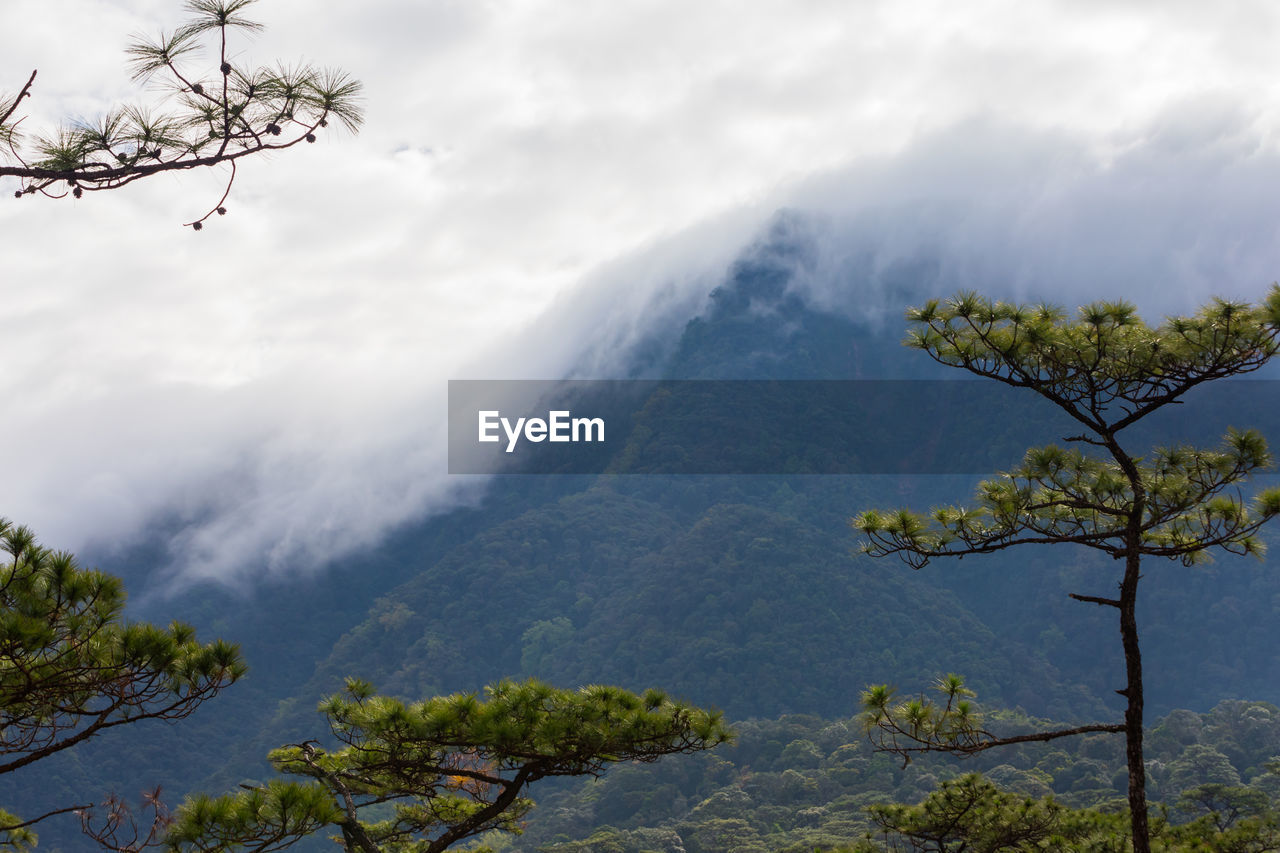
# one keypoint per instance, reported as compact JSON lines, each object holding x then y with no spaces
{"x":537,"y":180}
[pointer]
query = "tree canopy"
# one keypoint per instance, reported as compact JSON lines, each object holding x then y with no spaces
{"x":451,"y":767}
{"x":209,"y":117}
{"x":1107,"y":370}
{"x":71,"y":668}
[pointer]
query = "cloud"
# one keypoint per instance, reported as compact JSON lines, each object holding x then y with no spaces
{"x":539,"y":187}
{"x":1180,"y":211}
{"x":1164,"y":216}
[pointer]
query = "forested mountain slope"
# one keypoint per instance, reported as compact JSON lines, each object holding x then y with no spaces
{"x":743,"y":592}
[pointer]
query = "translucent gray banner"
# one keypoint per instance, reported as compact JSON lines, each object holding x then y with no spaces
{"x":798,"y":427}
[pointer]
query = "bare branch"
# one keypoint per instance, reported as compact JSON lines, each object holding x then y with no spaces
{"x":1090,"y":599}
{"x":35,"y":820}
{"x":25,"y":93}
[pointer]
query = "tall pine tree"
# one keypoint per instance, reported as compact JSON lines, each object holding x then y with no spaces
{"x":1107,"y":370}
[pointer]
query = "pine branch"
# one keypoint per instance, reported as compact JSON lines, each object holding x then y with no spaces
{"x":252,"y":112}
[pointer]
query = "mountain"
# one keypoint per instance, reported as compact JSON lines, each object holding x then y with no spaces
{"x":742,"y":592}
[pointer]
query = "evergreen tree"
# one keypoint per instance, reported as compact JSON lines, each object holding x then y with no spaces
{"x":71,"y":668}
{"x":213,"y":118}
{"x":1224,"y":805}
{"x":1107,"y":370}
{"x":431,"y":774}
{"x":970,"y":813}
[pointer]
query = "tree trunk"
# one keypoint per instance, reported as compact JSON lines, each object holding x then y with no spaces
{"x":1133,"y":712}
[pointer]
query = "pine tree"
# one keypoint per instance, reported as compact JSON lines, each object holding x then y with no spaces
{"x":1107,"y":370}
{"x":211,"y":118}
{"x":71,"y":668}
{"x":431,"y":774}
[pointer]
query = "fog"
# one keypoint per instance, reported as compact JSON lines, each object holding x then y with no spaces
{"x":540,"y":191}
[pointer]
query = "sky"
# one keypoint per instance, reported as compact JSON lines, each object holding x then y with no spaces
{"x":538,"y":182}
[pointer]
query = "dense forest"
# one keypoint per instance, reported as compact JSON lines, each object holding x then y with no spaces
{"x":744,"y":593}
{"x":799,"y":783}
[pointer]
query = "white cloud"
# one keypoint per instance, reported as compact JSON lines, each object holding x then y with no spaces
{"x":274,"y":382}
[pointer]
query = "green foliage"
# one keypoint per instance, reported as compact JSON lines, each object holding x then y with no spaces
{"x":71,"y":668}
{"x":428,"y":775}
{"x":1063,"y":495}
{"x":802,"y":783}
{"x":1107,"y":355}
{"x":1107,"y":370}
{"x":18,"y":837}
{"x":970,"y":813}
{"x":542,"y":641}
{"x":264,"y":818}
{"x":213,"y":117}
{"x":660,"y":586}
{"x":953,"y":721}
{"x":1224,"y":804}
{"x":949,"y":724}
{"x":1199,"y":765}
{"x":609,"y":586}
